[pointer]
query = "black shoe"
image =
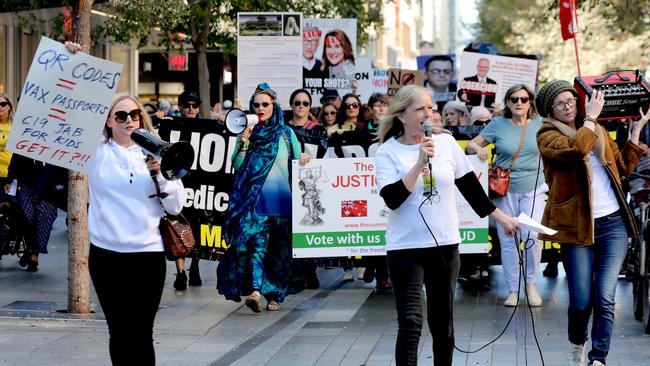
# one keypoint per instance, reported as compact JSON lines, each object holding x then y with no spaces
{"x":369,"y":275}
{"x":181,"y":281}
{"x":195,"y":277}
{"x":550,"y":270}
{"x":24,"y":260}
{"x":32,"y":266}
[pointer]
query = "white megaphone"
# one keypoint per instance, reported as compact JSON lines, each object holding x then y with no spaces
{"x":237,"y":121}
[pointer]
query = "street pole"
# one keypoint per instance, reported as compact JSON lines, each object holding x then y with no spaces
{"x":78,"y":242}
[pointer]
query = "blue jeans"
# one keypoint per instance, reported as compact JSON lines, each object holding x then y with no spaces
{"x":592,"y":273}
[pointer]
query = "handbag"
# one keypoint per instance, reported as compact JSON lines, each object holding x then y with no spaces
{"x":175,"y":230}
{"x":498,"y":177}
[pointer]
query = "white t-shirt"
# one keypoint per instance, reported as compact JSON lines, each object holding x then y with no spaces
{"x":602,"y":194}
{"x":406,"y":230}
{"x":121,"y":216}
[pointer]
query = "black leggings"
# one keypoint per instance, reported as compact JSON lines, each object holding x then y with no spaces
{"x":129,"y":287}
{"x":437,"y":269}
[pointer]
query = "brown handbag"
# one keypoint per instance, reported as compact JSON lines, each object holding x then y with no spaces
{"x":498,"y":177}
{"x":175,"y":230}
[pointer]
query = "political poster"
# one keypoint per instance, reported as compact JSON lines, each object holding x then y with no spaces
{"x":484,"y":79}
{"x":398,"y":78}
{"x":337,"y":210}
{"x":439,"y":77}
{"x":63,"y":106}
{"x":369,"y":80}
{"x":328,"y":55}
{"x":268,"y":51}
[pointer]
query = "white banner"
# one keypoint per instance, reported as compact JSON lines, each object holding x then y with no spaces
{"x":337,"y":210}
{"x":63,"y":106}
{"x":269,"y":51}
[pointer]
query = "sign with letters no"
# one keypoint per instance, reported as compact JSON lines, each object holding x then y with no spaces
{"x":63,"y":106}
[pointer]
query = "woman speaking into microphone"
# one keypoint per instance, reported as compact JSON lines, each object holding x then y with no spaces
{"x":424,"y":251}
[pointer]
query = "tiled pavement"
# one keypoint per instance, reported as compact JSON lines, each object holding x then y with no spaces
{"x":340,"y":324}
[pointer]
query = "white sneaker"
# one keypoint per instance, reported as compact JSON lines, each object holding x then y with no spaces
{"x":597,"y":363}
{"x":360,"y":272}
{"x":534,"y":299}
{"x":512,"y":300}
{"x":348,"y":276}
{"x":577,"y":355}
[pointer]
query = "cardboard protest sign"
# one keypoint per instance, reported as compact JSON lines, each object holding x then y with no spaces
{"x":398,"y":78}
{"x":268,"y":51}
{"x":484,"y":79}
{"x":329,"y":50}
{"x":63,"y":106}
{"x":369,"y":80}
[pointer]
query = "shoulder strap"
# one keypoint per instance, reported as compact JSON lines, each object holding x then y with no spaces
{"x":521,"y":144}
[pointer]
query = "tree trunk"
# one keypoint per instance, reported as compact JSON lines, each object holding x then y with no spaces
{"x":78,"y":242}
{"x":199,"y":39}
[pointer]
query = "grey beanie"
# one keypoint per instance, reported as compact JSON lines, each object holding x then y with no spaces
{"x":545,"y":97}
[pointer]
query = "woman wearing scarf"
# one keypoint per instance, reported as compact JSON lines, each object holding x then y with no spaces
{"x":258,"y":226}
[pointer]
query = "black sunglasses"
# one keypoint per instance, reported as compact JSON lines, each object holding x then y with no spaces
{"x":297,"y":103}
{"x":354,"y":105}
{"x":190,"y":105}
{"x":120,"y":116}
{"x":263,"y":105}
{"x":329,"y":113}
{"x":4,"y":104}
{"x":515,"y":100}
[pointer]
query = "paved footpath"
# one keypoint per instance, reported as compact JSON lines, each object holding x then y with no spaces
{"x":339,"y":324}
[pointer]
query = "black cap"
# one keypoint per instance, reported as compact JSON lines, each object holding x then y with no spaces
{"x":329,"y":93}
{"x":188,"y":96}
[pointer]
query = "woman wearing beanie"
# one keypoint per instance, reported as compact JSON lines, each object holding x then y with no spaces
{"x":587,"y":207}
{"x":513,"y":136}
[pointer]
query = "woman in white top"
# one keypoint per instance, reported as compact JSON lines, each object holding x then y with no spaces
{"x":422,"y":236}
{"x":126,"y":261}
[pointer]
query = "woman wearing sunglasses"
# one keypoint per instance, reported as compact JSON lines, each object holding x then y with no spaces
{"x":587,"y":206}
{"x":304,"y":125}
{"x":349,"y":117}
{"x":126,"y":260}
{"x":517,"y":127}
{"x":327,"y":118}
{"x":258,"y":224}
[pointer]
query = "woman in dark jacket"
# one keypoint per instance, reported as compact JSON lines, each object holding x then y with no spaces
{"x":587,"y":207}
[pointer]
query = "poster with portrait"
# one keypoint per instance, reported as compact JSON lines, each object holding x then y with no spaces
{"x":268,"y":50}
{"x":484,"y":79}
{"x":328,"y":55}
{"x":439,"y":77}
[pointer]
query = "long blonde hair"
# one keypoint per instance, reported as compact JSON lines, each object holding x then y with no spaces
{"x":145,"y":120}
{"x":390,"y":125}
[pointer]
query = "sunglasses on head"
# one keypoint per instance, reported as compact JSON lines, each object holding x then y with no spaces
{"x":297,"y":103}
{"x":120,"y":116}
{"x":354,"y":105}
{"x":515,"y":100}
{"x":263,"y":105}
{"x":4,"y":104}
{"x":190,"y":105}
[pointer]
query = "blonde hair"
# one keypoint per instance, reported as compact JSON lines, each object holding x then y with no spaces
{"x":390,"y":125}
{"x":145,"y":120}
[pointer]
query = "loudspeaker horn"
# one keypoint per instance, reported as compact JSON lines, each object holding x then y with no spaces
{"x":237,"y":121}
{"x":175,"y":158}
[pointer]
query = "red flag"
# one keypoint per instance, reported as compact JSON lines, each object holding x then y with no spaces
{"x":354,"y":208}
{"x":568,"y":19}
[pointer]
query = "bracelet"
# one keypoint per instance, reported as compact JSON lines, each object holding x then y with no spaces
{"x":590,"y":119}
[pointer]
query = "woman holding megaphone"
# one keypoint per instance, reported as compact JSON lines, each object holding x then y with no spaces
{"x":258,"y":224}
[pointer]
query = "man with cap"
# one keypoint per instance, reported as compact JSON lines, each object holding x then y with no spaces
{"x":331,"y":96}
{"x":587,"y":207}
{"x":189,"y":104}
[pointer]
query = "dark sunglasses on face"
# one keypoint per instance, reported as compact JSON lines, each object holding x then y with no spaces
{"x":329,"y":113}
{"x":297,"y":103}
{"x":120,"y":116}
{"x":515,"y":100}
{"x":190,"y":105}
{"x":354,"y":105}
{"x":4,"y":104}
{"x":263,"y":105}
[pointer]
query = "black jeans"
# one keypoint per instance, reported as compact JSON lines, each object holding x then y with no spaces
{"x":436,"y":268}
{"x":129,"y":287}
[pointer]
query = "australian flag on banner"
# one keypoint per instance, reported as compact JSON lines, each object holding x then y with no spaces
{"x":354,"y":208}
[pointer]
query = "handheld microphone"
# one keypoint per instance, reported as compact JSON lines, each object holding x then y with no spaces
{"x":427,"y":125}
